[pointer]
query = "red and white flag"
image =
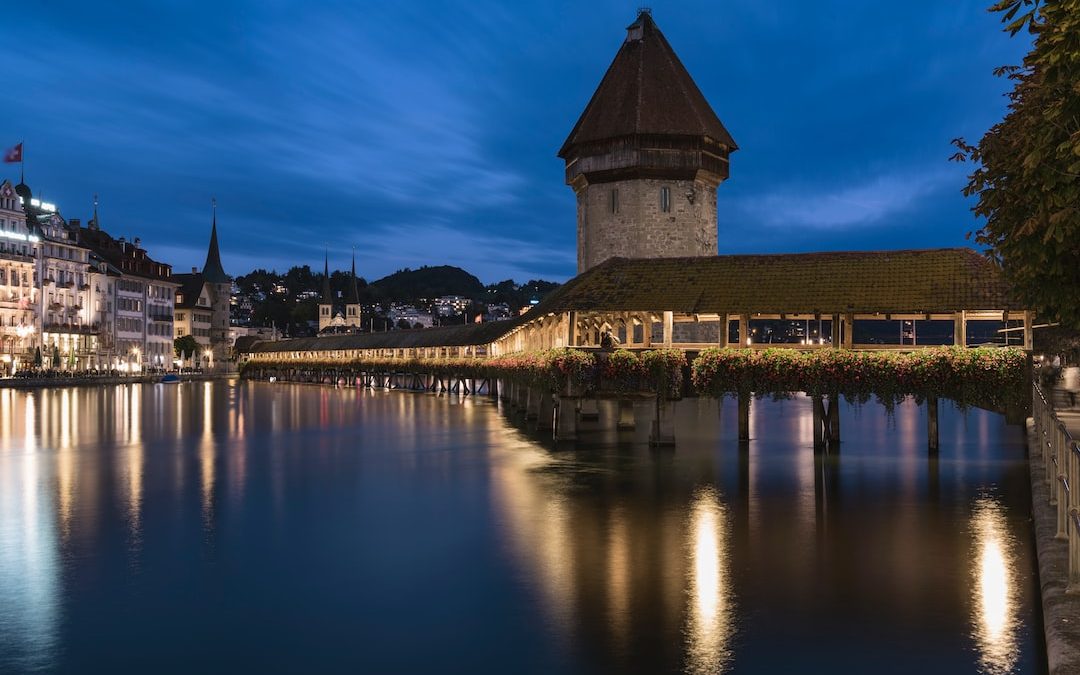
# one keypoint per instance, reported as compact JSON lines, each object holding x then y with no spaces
{"x":13,"y":154}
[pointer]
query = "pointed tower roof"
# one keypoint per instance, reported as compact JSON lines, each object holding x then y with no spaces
{"x":327,"y":295}
{"x":646,"y":91}
{"x":352,"y":293}
{"x":212,"y":271}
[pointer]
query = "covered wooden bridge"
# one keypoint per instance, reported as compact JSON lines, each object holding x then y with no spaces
{"x":880,"y":301}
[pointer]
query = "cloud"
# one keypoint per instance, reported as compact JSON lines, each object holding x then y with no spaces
{"x":856,"y":203}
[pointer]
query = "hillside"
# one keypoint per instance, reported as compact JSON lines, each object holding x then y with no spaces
{"x":427,"y":282}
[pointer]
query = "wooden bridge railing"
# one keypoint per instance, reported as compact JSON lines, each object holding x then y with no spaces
{"x":1060,"y":453}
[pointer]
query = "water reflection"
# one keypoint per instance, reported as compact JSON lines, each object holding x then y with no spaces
{"x":996,"y":621}
{"x":29,"y":557}
{"x":710,"y":617}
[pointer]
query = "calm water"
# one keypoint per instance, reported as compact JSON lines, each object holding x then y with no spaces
{"x":228,"y":527}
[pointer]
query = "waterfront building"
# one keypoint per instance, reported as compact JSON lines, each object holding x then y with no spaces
{"x":19,"y":291}
{"x":203,"y":305}
{"x":132,"y":300}
{"x":70,"y":339}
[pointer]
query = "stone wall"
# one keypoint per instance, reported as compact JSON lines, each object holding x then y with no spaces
{"x":638,"y":227}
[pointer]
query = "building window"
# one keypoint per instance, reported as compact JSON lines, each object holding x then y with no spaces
{"x":615,"y":201}
{"x":665,"y":199}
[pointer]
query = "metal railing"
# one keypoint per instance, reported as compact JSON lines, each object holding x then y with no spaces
{"x":1060,"y":454}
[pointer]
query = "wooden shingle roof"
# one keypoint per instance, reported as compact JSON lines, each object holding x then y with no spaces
{"x":445,"y":336}
{"x":913,"y":281}
{"x":646,"y":91}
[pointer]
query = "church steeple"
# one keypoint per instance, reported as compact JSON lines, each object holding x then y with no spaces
{"x":213,"y":272}
{"x":327,"y":296}
{"x":352,"y":293}
{"x":352,"y":298}
{"x":326,"y":302}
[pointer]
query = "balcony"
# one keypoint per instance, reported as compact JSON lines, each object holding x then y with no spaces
{"x":164,"y":318}
{"x":66,"y":284}
{"x":71,"y":328}
{"x":84,"y":287}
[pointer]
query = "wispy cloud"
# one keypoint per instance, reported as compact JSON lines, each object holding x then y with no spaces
{"x":859,"y":202}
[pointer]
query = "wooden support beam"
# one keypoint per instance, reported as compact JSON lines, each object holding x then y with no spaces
{"x":932,"y":424}
{"x":833,"y":417}
{"x":960,"y":329}
{"x":566,"y":419}
{"x":669,"y":328}
{"x":663,"y":425}
{"x":744,"y":416}
{"x":744,"y":332}
{"x":818,"y":408}
{"x":545,"y":418}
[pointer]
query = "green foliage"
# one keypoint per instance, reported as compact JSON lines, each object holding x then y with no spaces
{"x":185,"y":346}
{"x":987,"y":376}
{"x":1027,"y":177}
{"x":427,"y":282}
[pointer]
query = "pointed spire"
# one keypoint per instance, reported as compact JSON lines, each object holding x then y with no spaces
{"x":352,"y":293}
{"x":327,"y":295}
{"x":213,"y":272}
{"x":95,"y":224}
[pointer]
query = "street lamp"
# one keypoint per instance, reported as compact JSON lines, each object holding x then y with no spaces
{"x":135,"y":359}
{"x":209,"y":354}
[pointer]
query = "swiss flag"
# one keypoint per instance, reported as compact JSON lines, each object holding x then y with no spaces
{"x":14,"y":154}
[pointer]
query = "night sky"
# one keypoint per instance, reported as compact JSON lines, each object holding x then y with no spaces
{"x":426,"y":132}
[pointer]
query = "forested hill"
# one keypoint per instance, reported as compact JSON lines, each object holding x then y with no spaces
{"x":427,"y":282}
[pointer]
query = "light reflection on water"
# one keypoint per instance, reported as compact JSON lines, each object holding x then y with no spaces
{"x":710,"y":617}
{"x":605,"y":557}
{"x":995,"y":624}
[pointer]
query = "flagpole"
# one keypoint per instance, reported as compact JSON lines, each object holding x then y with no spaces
{"x":22,"y":162}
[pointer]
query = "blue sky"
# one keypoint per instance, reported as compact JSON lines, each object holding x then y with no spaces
{"x":426,"y":133}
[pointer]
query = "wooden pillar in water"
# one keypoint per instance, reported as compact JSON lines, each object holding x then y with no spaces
{"x":532,"y":403}
{"x":932,"y":423}
{"x":663,"y":426}
{"x":545,"y":416}
{"x":566,"y":419}
{"x":626,"y":414}
{"x":834,"y":419}
{"x":818,"y":407}
{"x":744,"y":416}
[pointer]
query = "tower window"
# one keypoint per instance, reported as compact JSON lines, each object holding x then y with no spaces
{"x":615,"y":201}
{"x":665,"y":199}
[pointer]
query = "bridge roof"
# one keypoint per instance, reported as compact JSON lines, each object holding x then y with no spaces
{"x":911,"y":281}
{"x":445,"y":336}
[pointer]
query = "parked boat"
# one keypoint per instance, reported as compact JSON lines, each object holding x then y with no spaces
{"x":170,"y":378}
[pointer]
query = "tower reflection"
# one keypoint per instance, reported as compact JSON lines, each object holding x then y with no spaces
{"x":710,"y":617}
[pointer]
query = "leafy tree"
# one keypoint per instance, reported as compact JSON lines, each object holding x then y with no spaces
{"x":1028,"y":174}
{"x":185,"y":346}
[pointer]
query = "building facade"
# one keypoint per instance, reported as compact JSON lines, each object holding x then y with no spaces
{"x":20,"y":330}
{"x":646,"y":157}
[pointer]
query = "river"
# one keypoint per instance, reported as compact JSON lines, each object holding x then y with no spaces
{"x":253,"y":527}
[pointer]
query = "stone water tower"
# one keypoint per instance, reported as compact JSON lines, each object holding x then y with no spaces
{"x":645,"y":157}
